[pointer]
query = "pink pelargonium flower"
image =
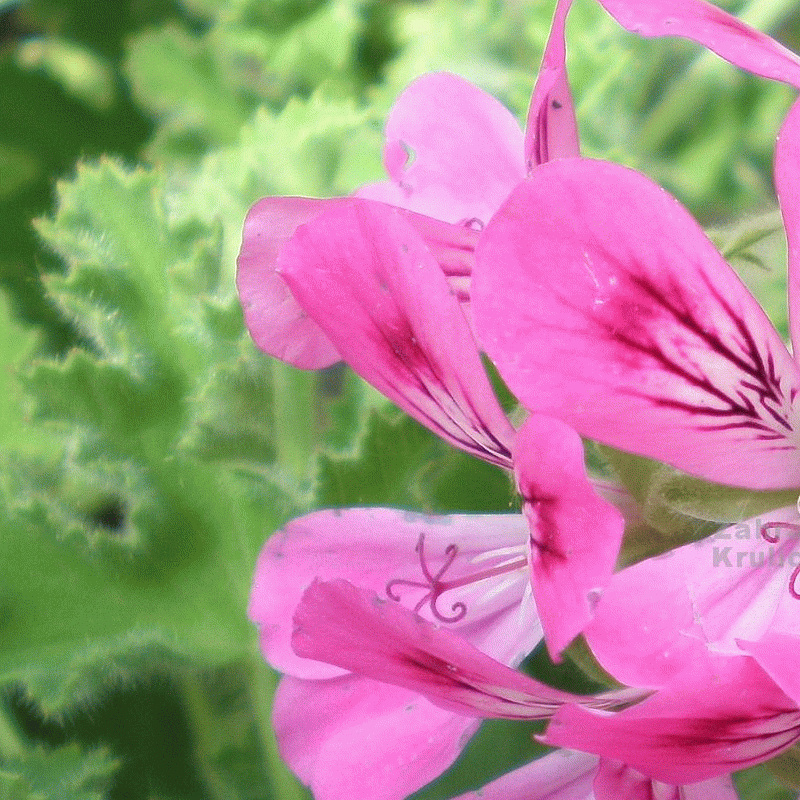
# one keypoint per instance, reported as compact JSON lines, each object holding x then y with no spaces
{"x":721,"y":714}
{"x":346,"y":735}
{"x":453,"y":154}
{"x":717,"y":715}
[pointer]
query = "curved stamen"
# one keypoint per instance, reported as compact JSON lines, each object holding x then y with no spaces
{"x":437,"y":587}
{"x":793,"y":590}
{"x":783,"y":526}
{"x":774,"y":539}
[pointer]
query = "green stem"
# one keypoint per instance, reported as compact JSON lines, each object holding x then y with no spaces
{"x":685,"y":94}
{"x":261,"y":687}
{"x":294,"y":418}
{"x":202,"y":724}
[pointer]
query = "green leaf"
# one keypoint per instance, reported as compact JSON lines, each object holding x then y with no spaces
{"x":76,"y":617}
{"x":173,"y":74}
{"x":387,"y":468}
{"x":81,"y":72}
{"x":656,"y":525}
{"x":316,"y":147}
{"x":66,"y":773}
{"x":17,"y":342}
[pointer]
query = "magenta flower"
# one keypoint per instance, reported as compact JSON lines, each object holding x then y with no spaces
{"x":346,"y":735}
{"x":719,"y":714}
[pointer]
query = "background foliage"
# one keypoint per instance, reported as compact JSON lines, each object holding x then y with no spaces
{"x":146,"y":448}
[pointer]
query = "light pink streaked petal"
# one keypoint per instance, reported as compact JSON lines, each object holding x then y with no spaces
{"x":552,"y":130}
{"x":787,"y":185}
{"x":603,"y":303}
{"x":617,"y":781}
{"x":378,"y":639}
{"x":712,"y":27}
{"x":453,"y":151}
{"x":699,"y":598}
{"x":575,"y":534}
{"x":351,"y":737}
{"x":365,"y":275}
{"x":778,"y":654}
{"x":277,"y":324}
{"x":718,"y":716}
{"x":562,"y":775}
{"x":385,"y":550}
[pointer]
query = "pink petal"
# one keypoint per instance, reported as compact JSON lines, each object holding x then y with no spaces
{"x":696,"y":599}
{"x":718,"y":716}
{"x":552,"y":131}
{"x":603,"y":303}
{"x":787,"y":185}
{"x":562,"y":775}
{"x":617,"y":781}
{"x":778,"y":654}
{"x":575,"y":534}
{"x":277,"y":324}
{"x":378,"y":550}
{"x":368,"y":280}
{"x":351,"y":737}
{"x":452,"y":151}
{"x":379,"y":639}
{"x":708,"y":25}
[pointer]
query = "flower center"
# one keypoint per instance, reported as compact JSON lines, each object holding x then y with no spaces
{"x":436,"y":585}
{"x":774,"y":538}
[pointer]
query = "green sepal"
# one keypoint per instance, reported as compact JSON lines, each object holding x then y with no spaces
{"x":758,"y":783}
{"x":713,"y":502}
{"x":653,"y":526}
{"x":786,"y":767}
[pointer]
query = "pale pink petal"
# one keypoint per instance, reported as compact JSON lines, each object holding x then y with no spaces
{"x":718,"y":716}
{"x":364,"y":274}
{"x":787,"y":185}
{"x":617,"y":781}
{"x":603,"y":303}
{"x":562,"y":775}
{"x":778,"y":654}
{"x":483,"y":558}
{"x":708,"y":25}
{"x":379,"y":639}
{"x":552,"y":131}
{"x":277,"y":324}
{"x":453,"y":151}
{"x":699,"y":598}
{"x":351,"y":737}
{"x":575,"y":534}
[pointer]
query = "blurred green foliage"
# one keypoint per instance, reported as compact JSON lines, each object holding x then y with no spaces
{"x":146,"y":448}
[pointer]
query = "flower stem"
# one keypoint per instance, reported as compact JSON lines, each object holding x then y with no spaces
{"x":294,"y":418}
{"x":261,"y":687}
